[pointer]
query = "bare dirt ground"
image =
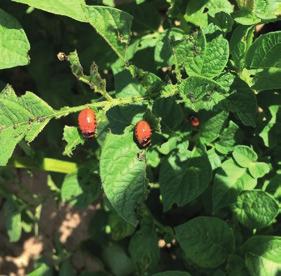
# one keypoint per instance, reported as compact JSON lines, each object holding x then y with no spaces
{"x":66,"y":223}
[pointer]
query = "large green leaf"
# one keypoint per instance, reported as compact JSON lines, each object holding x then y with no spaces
{"x":229,"y":181}
{"x":71,"y":8}
{"x":244,"y":156}
{"x":197,"y":11}
{"x":201,"y":93}
{"x":255,"y":209}
{"x":113,"y":25}
{"x":212,"y":127}
{"x":264,"y":52}
{"x":228,"y":138}
{"x":206,"y":241}
{"x":182,"y":182}
{"x":123,"y":174}
{"x":263,"y":255}
{"x":212,"y":61}
{"x":240,"y":42}
{"x":14,"y":44}
{"x":20,"y":118}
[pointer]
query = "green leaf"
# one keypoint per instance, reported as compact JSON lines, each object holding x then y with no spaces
{"x":182,"y":182}
{"x":150,"y":83}
{"x":94,"y":80}
{"x":240,"y":42}
{"x":117,"y":260}
{"x":168,"y":146}
{"x":12,"y":220}
{"x":263,"y":255}
{"x":243,"y":103}
{"x":206,"y":241}
{"x":42,"y":269}
{"x":212,"y":127}
{"x":214,"y":159}
{"x":172,"y":273}
{"x":255,"y":209}
{"x":196,"y":10}
{"x":244,"y":156}
{"x":259,"y":169}
{"x":228,"y":138}
{"x":120,"y":229}
{"x":256,"y":11}
{"x":80,"y":189}
{"x":267,"y":79}
{"x":14,"y":45}
{"x":170,"y":113}
{"x":73,"y":138}
{"x":20,"y":118}
{"x":123,"y":175}
{"x":229,"y":181}
{"x":236,"y":266}
{"x":113,"y":25}
{"x":143,"y":248}
{"x":201,"y":93}
{"x":271,"y":130}
{"x":71,"y":8}
{"x":212,"y":61}
{"x":263,"y":53}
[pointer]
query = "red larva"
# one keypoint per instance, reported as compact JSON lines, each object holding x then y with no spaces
{"x":143,"y":133}
{"x":195,"y":122}
{"x":87,"y":122}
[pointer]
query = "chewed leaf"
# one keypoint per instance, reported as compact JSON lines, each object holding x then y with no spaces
{"x":73,"y":138}
{"x":20,"y":118}
{"x":201,"y":93}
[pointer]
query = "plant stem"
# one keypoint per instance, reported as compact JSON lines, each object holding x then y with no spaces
{"x":48,"y":164}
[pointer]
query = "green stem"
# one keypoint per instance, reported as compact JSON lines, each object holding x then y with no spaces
{"x":104,"y":104}
{"x":48,"y":164}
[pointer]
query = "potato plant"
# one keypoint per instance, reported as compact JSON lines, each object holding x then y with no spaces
{"x":195,"y":188}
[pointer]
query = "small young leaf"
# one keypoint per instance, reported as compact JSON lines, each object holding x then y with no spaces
{"x":206,"y":241}
{"x":123,"y":175}
{"x":73,"y":138}
{"x":259,"y":169}
{"x":244,"y":156}
{"x":255,"y":209}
